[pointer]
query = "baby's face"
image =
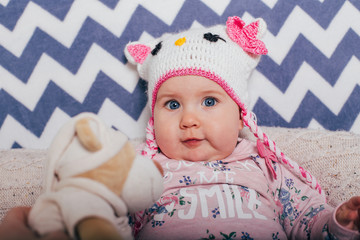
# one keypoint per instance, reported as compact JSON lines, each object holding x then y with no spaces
{"x":195,"y":119}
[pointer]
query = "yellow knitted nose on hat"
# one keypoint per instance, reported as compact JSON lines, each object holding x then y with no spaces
{"x":180,"y":41}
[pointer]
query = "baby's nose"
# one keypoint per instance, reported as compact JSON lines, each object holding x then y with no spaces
{"x":189,"y":119}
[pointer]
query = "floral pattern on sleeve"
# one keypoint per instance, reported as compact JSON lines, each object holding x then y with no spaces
{"x":327,"y":234}
{"x":232,"y":235}
{"x":288,"y":198}
{"x":309,"y":218}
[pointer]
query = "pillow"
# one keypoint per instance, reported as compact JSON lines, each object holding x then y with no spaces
{"x":21,"y":177}
{"x":333,"y":157}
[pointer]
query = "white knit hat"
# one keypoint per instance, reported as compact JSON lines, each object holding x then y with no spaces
{"x":212,"y":53}
{"x":226,"y":55}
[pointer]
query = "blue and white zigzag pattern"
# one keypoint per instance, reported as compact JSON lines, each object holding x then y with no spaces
{"x":60,"y":58}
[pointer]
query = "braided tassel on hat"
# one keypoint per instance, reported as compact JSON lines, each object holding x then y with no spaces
{"x":151,"y":148}
{"x":291,"y":165}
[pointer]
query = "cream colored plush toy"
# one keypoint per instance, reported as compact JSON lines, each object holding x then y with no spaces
{"x":94,"y":178}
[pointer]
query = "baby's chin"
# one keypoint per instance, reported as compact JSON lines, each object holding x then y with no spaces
{"x":197,"y":157}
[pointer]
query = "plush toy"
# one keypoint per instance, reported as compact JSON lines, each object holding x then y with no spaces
{"x":93,"y":179}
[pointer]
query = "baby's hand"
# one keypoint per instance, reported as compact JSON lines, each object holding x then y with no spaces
{"x":15,"y":227}
{"x":348,"y":214}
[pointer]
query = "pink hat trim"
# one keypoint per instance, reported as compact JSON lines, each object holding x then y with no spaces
{"x":196,"y":72}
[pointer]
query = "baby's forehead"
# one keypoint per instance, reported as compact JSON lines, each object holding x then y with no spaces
{"x":190,"y":84}
{"x":191,"y":80}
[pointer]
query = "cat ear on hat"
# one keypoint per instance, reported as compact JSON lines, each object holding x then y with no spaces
{"x":247,"y":37}
{"x":262,"y":28}
{"x":136,"y":53}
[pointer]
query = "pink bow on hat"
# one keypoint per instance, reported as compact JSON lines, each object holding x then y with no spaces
{"x":245,"y":37}
{"x":268,"y":155}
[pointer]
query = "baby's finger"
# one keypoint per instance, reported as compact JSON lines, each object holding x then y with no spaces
{"x":348,"y":214}
{"x":358,"y":220}
{"x":17,"y":214}
{"x":345,"y":216}
{"x":354,"y":203}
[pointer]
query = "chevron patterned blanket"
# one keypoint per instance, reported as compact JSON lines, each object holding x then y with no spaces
{"x":60,"y":58}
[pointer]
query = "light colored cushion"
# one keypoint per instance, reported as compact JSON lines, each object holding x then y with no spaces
{"x":21,"y":177}
{"x":333,"y":157}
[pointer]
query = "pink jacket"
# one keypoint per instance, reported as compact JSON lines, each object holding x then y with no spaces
{"x":236,"y":198}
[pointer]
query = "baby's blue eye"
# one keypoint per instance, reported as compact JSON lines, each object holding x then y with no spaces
{"x":209,"y":102}
{"x":172,"y":105}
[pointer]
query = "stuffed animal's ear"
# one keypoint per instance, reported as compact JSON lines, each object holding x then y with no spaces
{"x":87,"y":133}
{"x":136,"y":52}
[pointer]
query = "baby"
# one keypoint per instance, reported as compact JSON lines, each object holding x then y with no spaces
{"x":217,"y":185}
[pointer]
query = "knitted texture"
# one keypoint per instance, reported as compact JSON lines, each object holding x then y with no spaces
{"x":226,"y":55}
{"x":22,"y":174}
{"x":208,"y":52}
{"x":246,"y":37}
{"x":150,"y":147}
{"x":333,"y":157}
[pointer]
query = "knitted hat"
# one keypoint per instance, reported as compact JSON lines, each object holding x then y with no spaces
{"x":226,"y":55}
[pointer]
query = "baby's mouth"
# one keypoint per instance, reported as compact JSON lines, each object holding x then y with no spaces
{"x":192,"y":142}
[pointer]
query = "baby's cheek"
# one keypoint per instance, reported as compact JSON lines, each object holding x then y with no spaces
{"x":227,"y":140}
{"x":165,"y":143}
